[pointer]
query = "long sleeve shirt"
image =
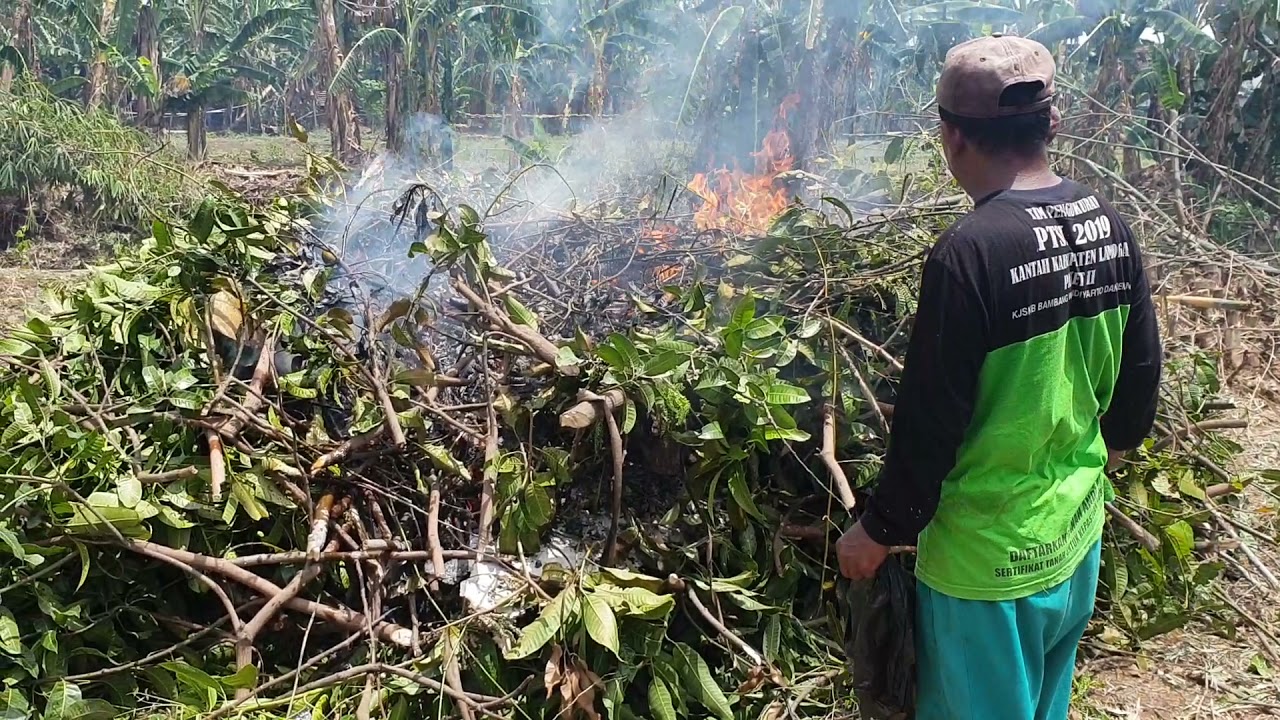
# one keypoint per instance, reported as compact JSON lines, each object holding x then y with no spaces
{"x":1034,"y":350}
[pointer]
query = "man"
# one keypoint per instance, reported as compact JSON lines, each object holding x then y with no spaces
{"x":1034,"y":353}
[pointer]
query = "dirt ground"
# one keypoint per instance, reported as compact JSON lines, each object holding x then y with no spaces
{"x":20,"y":289}
{"x":1194,"y":674}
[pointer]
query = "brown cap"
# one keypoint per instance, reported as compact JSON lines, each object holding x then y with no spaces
{"x":976,"y":72}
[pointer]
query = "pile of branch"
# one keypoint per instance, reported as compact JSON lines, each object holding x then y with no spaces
{"x":601,"y":453}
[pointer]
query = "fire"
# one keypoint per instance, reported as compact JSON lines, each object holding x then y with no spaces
{"x":660,"y":239}
{"x":735,"y":201}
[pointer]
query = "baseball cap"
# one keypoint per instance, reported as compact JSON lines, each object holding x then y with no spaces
{"x":977,"y":72}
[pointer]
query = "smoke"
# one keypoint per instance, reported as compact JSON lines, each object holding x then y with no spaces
{"x":694,"y":67}
{"x":599,"y":168}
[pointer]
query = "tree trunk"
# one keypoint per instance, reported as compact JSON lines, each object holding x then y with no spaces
{"x":147,"y":105}
{"x":1259,"y":162}
{"x":26,"y":45}
{"x":196,"y":141}
{"x":1225,"y":76}
{"x":394,"y":66}
{"x":597,"y":87}
{"x":447,"y":97}
{"x":96,"y":90}
{"x":344,"y":130}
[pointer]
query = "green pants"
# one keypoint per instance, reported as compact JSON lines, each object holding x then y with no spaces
{"x":1008,"y":660}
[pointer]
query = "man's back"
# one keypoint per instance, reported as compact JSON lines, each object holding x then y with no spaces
{"x":1034,"y":351}
{"x":1057,"y":275}
{"x":1034,"y":355}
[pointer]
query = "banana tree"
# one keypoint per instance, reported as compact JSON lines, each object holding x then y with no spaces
{"x":22,"y":53}
{"x":1108,"y":40}
{"x":197,"y":77}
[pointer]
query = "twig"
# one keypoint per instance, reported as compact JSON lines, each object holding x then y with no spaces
{"x":858,"y":338}
{"x":299,"y":557}
{"x":244,"y":655}
{"x":158,"y":655}
{"x":433,"y":537}
{"x":1244,"y":548}
{"x":168,"y":476}
{"x":341,"y":617}
{"x":828,"y":454}
{"x":618,"y":453}
{"x":587,"y":412}
{"x":1209,"y":303}
{"x":1199,"y":428}
{"x":488,"y":478}
{"x":757,"y":658}
{"x":389,"y":416}
{"x":286,"y":677}
{"x":217,"y":464}
{"x":320,"y":519}
{"x":542,"y":348}
{"x":453,"y":674}
{"x":1272,"y":644}
{"x":45,"y":572}
{"x":1139,"y":533}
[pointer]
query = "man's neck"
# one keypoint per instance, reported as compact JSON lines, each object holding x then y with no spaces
{"x":1016,"y":174}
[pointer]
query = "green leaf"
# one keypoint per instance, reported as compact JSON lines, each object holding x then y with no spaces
{"x":764,"y":327}
{"x":664,"y":362}
{"x":893,"y":153}
{"x":629,"y":416}
{"x":246,"y":678}
{"x":697,"y":679}
{"x":1187,"y":486}
{"x":444,"y":460}
{"x":772,"y":638}
{"x":14,"y":705}
{"x":741,"y":494}
{"x":565,"y":358}
{"x":636,"y":601}
{"x":202,"y":224}
{"x":711,"y":431}
{"x":66,"y":703}
{"x":83,"y":552}
{"x":660,"y":704}
{"x":1182,"y":538}
{"x":629,"y":355}
{"x":540,"y":632}
{"x":10,"y":634}
{"x":518,"y":312}
{"x":129,"y":490}
{"x":63,"y":698}
{"x":628,"y":579}
{"x":601,"y":624}
{"x":781,"y":393}
{"x":10,"y":541}
{"x":94,"y":520}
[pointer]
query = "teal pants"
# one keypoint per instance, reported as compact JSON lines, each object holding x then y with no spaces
{"x":1008,"y":660}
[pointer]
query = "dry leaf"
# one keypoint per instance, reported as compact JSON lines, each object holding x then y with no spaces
{"x":755,"y":679}
{"x":588,"y":682}
{"x":553,"y":675}
{"x":568,"y":690}
{"x":226,"y":314}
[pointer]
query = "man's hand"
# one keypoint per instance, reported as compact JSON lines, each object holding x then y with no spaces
{"x":1114,"y":459}
{"x":859,"y":555}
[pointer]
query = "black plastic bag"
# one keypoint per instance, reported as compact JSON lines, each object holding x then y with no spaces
{"x":880,"y":640}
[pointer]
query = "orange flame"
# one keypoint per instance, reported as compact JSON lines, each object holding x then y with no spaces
{"x":737,"y":202}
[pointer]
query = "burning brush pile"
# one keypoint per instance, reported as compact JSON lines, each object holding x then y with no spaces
{"x":591,"y":467}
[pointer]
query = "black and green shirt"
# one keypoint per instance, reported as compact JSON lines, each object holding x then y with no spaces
{"x":1034,"y":349}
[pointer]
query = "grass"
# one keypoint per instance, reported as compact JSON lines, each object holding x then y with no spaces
{"x":474,"y":153}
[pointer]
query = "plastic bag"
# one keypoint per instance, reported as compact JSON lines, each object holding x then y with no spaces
{"x":880,"y":640}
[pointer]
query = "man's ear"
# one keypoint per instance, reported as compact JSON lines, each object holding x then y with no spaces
{"x":1055,"y":122}
{"x":952,"y":138}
